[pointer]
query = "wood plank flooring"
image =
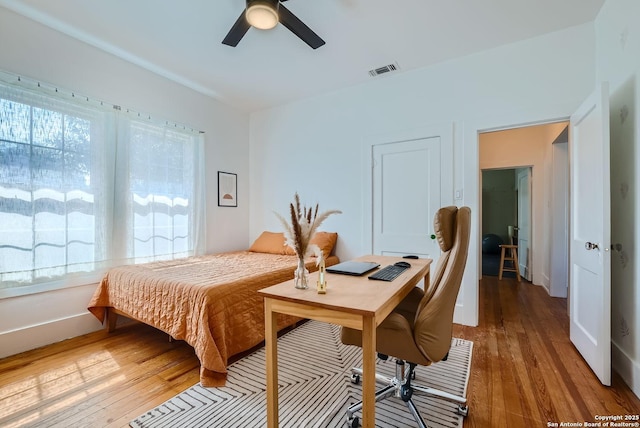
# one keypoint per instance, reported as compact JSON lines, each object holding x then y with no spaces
{"x":525,"y":371}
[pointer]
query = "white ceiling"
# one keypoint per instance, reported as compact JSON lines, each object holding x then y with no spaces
{"x":181,"y":39}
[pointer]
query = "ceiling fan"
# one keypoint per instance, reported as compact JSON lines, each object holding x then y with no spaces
{"x":265,"y":14}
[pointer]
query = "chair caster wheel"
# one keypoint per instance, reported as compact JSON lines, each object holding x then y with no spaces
{"x":353,"y":422}
{"x":355,"y":379}
{"x":463,"y":410}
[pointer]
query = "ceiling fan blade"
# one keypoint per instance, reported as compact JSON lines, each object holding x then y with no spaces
{"x":237,"y":32}
{"x":299,"y":28}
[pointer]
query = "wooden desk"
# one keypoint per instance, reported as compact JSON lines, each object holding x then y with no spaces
{"x":350,"y":301}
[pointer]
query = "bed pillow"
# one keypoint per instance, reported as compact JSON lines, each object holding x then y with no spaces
{"x":271,"y":243}
{"x":326,"y":241}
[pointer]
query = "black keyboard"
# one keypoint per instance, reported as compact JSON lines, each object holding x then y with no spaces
{"x":388,"y":273}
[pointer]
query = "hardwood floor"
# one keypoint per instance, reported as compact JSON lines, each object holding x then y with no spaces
{"x":525,"y":371}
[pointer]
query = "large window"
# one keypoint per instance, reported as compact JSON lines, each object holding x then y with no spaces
{"x":84,"y":187}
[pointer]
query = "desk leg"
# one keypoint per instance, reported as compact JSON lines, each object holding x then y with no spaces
{"x":271,"y":347}
{"x":368,"y":372}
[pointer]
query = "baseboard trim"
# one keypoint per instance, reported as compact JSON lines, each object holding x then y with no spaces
{"x":628,"y":369}
{"x":460,"y":316}
{"x":35,"y":336}
{"x":546,"y":283}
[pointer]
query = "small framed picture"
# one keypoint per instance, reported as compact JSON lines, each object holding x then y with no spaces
{"x":227,"y":189}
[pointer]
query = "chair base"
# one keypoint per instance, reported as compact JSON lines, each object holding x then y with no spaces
{"x":400,"y":387}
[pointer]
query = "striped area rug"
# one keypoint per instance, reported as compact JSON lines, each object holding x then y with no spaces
{"x":315,"y":388}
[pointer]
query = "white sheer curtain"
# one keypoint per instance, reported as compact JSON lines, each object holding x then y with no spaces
{"x":159,"y":186}
{"x":53,"y":157}
{"x":84,"y":186}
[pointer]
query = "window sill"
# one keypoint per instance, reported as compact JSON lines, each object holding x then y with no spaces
{"x":71,"y":281}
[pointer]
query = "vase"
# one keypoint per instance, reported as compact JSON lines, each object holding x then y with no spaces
{"x":301,"y":276}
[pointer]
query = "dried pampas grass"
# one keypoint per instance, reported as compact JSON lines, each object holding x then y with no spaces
{"x":304,"y":224}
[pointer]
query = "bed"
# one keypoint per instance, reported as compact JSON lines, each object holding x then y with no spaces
{"x":208,"y":301}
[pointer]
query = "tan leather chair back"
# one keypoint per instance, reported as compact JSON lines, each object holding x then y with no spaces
{"x":434,"y":319}
{"x":444,"y":229}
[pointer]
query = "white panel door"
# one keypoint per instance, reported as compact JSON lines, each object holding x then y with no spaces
{"x":406,"y":195}
{"x":590,"y":259}
{"x":523,"y":179}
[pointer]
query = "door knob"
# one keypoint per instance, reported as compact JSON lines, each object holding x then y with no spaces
{"x":590,"y":246}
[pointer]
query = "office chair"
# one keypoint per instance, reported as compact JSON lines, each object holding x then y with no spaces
{"x":419,"y":330}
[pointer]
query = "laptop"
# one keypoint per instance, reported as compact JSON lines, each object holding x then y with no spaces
{"x":352,"y":268}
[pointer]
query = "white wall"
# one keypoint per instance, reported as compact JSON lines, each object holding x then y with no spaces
{"x":35,"y":51}
{"x":558,"y":217}
{"x":315,"y":146}
{"x":618,"y":62}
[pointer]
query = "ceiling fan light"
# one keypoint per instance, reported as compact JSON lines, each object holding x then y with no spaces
{"x":262,"y":15}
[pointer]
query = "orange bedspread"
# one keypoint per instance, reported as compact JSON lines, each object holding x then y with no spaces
{"x":210,"y":301}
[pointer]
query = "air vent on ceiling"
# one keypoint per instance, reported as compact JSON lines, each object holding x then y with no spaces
{"x":384,"y":69}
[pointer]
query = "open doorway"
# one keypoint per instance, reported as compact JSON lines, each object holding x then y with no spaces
{"x":506,"y":218}
{"x":527,"y":148}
